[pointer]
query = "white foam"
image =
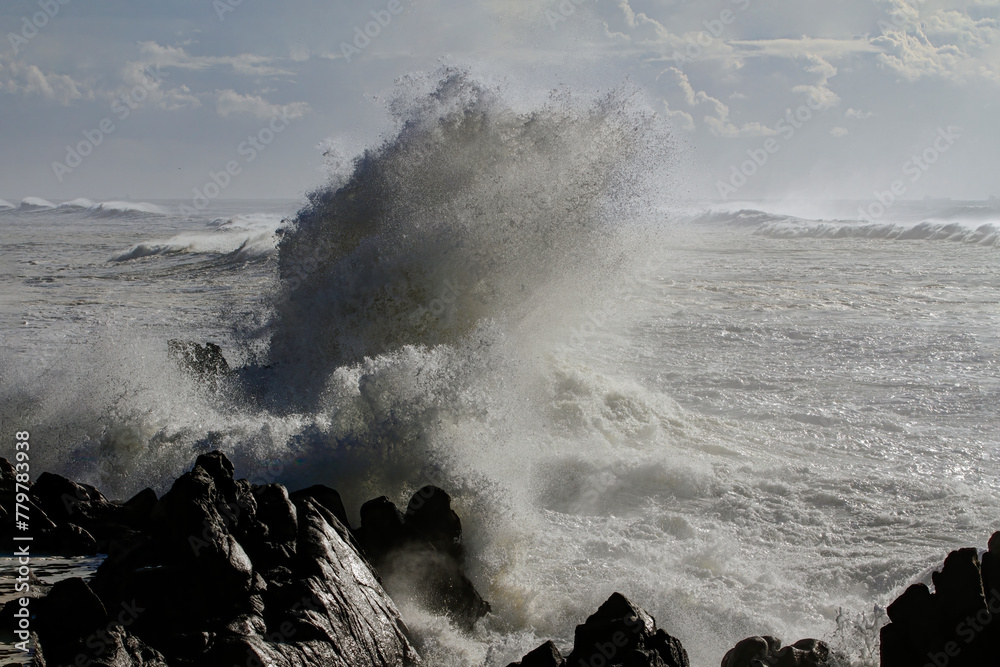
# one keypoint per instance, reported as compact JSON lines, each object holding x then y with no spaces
{"x":30,"y":203}
{"x":78,"y":203}
{"x":248,"y":244}
{"x":123,"y":208}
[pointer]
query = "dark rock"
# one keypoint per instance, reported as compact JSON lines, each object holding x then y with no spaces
{"x":755,"y":651}
{"x":618,"y":634}
{"x":953,"y":624}
{"x":8,"y":479}
{"x":66,"y":617}
{"x":546,"y":655}
{"x":140,"y":506}
{"x":420,"y":559}
{"x":381,"y":530}
{"x":205,"y":361}
{"x":429,"y":517}
{"x":83,"y":516}
{"x":991,"y":568}
{"x":623,"y":634}
{"x":276,"y":511}
{"x":916,"y":617}
{"x":326,"y":497}
{"x":192,"y":588}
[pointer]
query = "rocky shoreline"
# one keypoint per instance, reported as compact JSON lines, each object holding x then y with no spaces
{"x":219,"y":572}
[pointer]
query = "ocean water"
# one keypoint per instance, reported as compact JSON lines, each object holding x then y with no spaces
{"x":751,"y":418}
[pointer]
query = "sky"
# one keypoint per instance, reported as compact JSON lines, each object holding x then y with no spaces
{"x":823,"y":99}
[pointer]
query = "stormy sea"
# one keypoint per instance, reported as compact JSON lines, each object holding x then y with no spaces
{"x":757,"y":417}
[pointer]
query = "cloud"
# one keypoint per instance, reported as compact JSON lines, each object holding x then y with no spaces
{"x":818,"y":95}
{"x":176,"y":57}
{"x":857,"y":114}
{"x":151,"y":79}
{"x":946,"y":43}
{"x":18,"y":78}
{"x":794,"y":48}
{"x":838,"y":132}
{"x":683,"y":119}
{"x":718,"y":121}
{"x":229,"y":102}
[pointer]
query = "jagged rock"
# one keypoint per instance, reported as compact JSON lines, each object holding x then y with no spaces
{"x":140,"y":507}
{"x":74,"y":627}
{"x":760,"y":651}
{"x":381,"y":531}
{"x":49,"y":537}
{"x":276,"y":511}
{"x":223,"y":573}
{"x":429,"y":517}
{"x":326,"y":497}
{"x":419,"y":555}
{"x":953,"y":625}
{"x":67,"y":502}
{"x":620,"y":633}
{"x":546,"y":655}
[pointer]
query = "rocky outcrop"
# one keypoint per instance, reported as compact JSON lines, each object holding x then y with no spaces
{"x":66,"y":518}
{"x":420,"y":554}
{"x":768,"y":651}
{"x":618,"y":634}
{"x":955,"y":624}
{"x":219,"y":572}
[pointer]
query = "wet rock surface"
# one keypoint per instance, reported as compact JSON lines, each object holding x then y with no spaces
{"x":618,"y":634}
{"x":956,"y":625}
{"x":216,"y":572}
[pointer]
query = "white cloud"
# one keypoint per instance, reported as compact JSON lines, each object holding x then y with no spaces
{"x":158,"y":95}
{"x":683,"y":119}
{"x":18,"y":78}
{"x":793,"y":48}
{"x":838,"y":132}
{"x":818,"y":95}
{"x":229,"y":102}
{"x":176,"y":57}
{"x":718,"y":121}
{"x":857,"y":114}
{"x":946,"y":43}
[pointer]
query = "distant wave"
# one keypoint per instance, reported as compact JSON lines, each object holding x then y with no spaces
{"x":987,"y":234}
{"x":978,"y":225}
{"x":88,"y":208}
{"x":239,"y":244}
{"x":35,"y":204}
{"x":116,"y":209}
{"x":746,"y":217}
{"x":77,"y":204}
